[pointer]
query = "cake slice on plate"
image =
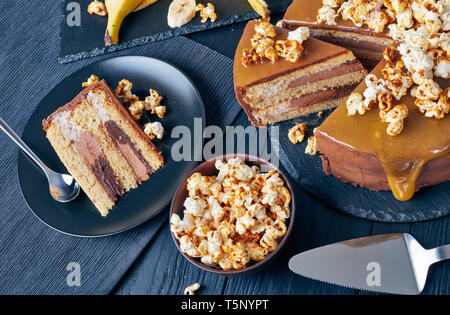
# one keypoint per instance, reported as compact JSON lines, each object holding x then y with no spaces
{"x":101,"y":145}
{"x":316,"y":77}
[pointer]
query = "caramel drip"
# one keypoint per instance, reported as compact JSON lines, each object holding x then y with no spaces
{"x":402,"y":157}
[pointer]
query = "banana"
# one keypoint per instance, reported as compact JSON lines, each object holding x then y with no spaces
{"x":180,"y":12}
{"x":117,"y":11}
{"x":144,"y":4}
{"x":260,"y":6}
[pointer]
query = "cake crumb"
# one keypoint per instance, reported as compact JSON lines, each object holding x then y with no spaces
{"x":320,"y":114}
{"x":190,"y":290}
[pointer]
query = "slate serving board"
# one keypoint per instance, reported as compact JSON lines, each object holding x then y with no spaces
{"x":429,"y":203}
{"x":146,"y":25}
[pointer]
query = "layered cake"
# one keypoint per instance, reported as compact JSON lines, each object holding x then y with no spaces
{"x":326,"y":24}
{"x":280,"y":75}
{"x":393,"y":132}
{"x":101,"y":145}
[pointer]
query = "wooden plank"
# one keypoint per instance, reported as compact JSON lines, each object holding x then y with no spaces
{"x":163,"y":270}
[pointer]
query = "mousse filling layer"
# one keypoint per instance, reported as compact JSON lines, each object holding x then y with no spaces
{"x":348,"y":67}
{"x":321,"y":96}
{"x":88,"y":147}
{"x":351,"y":43}
{"x":131,"y":154}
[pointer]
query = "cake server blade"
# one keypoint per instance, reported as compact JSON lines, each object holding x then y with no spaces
{"x":390,"y":263}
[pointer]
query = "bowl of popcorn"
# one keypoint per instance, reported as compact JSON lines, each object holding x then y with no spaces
{"x":232,"y":214}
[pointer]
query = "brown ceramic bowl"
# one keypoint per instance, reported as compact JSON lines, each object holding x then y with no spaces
{"x":208,"y":168}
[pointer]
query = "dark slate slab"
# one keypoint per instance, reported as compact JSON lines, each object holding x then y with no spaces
{"x":146,"y":25}
{"x":429,"y":203}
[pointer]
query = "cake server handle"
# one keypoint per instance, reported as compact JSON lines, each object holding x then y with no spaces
{"x":7,"y":129}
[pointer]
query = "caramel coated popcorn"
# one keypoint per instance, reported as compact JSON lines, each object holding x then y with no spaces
{"x":154,"y":130}
{"x":135,"y":106}
{"x":234,"y":217}
{"x":327,"y":15}
{"x":153,"y":104}
{"x":355,"y":104}
{"x":311,"y":148}
{"x":395,"y":119}
{"x":207,"y":12}
{"x":265,"y":29}
{"x":97,"y":7}
{"x":190,"y":290}
{"x":431,"y":100}
{"x":123,"y":90}
{"x":136,"y":109}
{"x":397,"y":15}
{"x":264,"y":46}
{"x":91,"y":80}
{"x":297,"y":133}
{"x":291,"y":50}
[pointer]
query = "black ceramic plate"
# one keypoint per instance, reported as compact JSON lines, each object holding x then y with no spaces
{"x":80,"y":217}
{"x":429,"y":203}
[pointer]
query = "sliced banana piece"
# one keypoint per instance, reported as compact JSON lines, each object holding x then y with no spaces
{"x":180,"y":12}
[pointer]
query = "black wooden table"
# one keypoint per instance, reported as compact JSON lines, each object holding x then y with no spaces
{"x":28,"y":59}
{"x":161,"y":269}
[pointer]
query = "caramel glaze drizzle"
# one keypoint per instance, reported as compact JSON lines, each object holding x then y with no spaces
{"x":402,"y":157}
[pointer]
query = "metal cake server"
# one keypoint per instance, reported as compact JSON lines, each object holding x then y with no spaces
{"x":63,"y":187}
{"x":390,"y":263}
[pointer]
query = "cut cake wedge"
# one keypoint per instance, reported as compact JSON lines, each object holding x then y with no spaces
{"x":101,"y":145}
{"x":367,"y":45}
{"x":270,"y":92}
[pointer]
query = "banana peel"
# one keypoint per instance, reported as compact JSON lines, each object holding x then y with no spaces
{"x":261,"y":7}
{"x":117,"y":11}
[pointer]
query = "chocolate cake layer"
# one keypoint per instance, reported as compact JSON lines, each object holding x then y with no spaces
{"x":133,"y":156}
{"x":320,"y":96}
{"x":348,"y":67}
{"x":357,"y":149}
{"x":88,"y":147}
